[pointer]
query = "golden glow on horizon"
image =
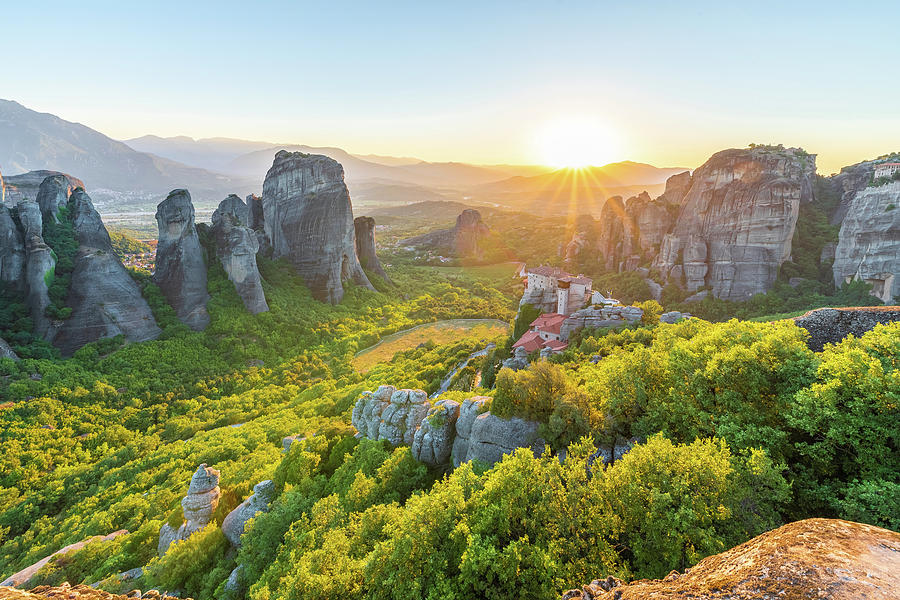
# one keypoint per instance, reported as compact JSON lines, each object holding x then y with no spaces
{"x":576,"y":141}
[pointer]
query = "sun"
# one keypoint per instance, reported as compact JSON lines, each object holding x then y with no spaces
{"x":576,"y":142}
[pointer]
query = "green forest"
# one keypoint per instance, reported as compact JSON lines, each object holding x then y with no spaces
{"x":738,"y":427}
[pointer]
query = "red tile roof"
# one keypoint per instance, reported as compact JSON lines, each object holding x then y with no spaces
{"x":549,"y":322}
{"x":556,"y":345}
{"x":581,"y":279}
{"x":531,"y":341}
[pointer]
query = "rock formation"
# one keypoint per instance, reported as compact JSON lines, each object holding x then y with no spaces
{"x":813,"y":558}
{"x":736,"y":222}
{"x":850,"y":181}
{"x":78,"y":592}
{"x":593,"y":317}
{"x":308,"y":219}
{"x":198,"y":507}
{"x":390,"y":414}
{"x":365,"y":246}
{"x":463,"y":240}
{"x":28,"y":185}
{"x":180,"y":264}
{"x":104,"y":299}
{"x":53,"y":194}
{"x":447,"y":431}
{"x":6,"y":351}
{"x":490,"y":437}
{"x":831,"y":325}
{"x":255,"y":219}
{"x":236,"y":248}
{"x":12,"y":251}
{"x":234,"y":523}
{"x":39,"y":266}
{"x":433,"y":440}
{"x":869,"y":241}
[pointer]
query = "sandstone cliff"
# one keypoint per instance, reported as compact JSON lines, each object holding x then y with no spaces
{"x":197,"y":507}
{"x":308,"y":219}
{"x":236,"y":248}
{"x":736,"y":222}
{"x":365,"y":246}
{"x":104,"y":299}
{"x":12,"y":251}
{"x":180,"y":263}
{"x":814,"y":558}
{"x":869,"y":241}
{"x":53,"y":194}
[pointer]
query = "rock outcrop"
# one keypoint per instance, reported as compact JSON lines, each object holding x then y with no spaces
{"x":236,"y":248}
{"x":197,"y":506}
{"x":6,"y":351}
{"x":464,"y":240}
{"x":39,"y":266}
{"x":53,"y":194}
{"x":12,"y":251}
{"x":308,"y":219}
{"x":390,"y":414}
{"x":22,"y":578}
{"x":180,"y":263}
{"x":234,"y":523}
{"x":491,"y":437}
{"x":594,"y":317}
{"x":104,"y":299}
{"x":813,"y":558}
{"x":28,"y":185}
{"x":365,"y":246}
{"x":831,"y":325}
{"x":849,"y":182}
{"x":736,"y":222}
{"x":869,"y":241}
{"x":433,"y":440}
{"x":77,"y":592}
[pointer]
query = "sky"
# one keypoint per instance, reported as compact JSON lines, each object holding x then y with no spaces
{"x":667,"y":83}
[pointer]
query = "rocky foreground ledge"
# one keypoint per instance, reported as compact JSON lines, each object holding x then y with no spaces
{"x":77,"y":592}
{"x":814,"y":558}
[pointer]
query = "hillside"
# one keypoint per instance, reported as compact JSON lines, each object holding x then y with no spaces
{"x":30,"y":140}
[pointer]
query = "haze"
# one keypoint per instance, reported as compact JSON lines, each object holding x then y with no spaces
{"x":670,"y":83}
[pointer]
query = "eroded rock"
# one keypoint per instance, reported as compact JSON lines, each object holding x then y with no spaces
{"x":197,"y":506}
{"x":433,"y":440}
{"x":180,"y":264}
{"x":365,"y":246}
{"x":53,"y":194}
{"x":259,"y":501}
{"x":12,"y":251}
{"x":308,"y":219}
{"x":463,"y":240}
{"x":236,"y":248}
{"x":390,"y":414}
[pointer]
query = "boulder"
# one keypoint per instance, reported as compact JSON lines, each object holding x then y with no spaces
{"x":831,"y":325}
{"x":12,"y":251}
{"x":236,"y":248}
{"x":869,"y":241}
{"x":390,"y":414}
{"x":234,"y":523}
{"x":53,"y":194}
{"x":365,"y":246}
{"x":671,"y":317}
{"x":813,"y":558}
{"x":433,"y":440}
{"x":308,"y":219}
{"x":180,"y":264}
{"x":197,"y":506}
{"x":518,"y":361}
{"x":22,"y":578}
{"x":234,"y":583}
{"x":104,"y":299}
{"x":6,"y":351}
{"x":736,"y":222}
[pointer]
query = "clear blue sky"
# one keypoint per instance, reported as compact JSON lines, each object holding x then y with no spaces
{"x":468,"y":81}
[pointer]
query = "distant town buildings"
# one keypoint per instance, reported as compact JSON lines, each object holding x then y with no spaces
{"x":886,"y":169}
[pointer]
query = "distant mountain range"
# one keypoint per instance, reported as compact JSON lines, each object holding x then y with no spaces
{"x":133,"y":175}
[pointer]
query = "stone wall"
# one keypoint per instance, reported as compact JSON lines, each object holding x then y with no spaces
{"x":831,"y":325}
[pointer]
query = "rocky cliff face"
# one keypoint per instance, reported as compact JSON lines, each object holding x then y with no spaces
{"x":463,"y":240}
{"x":180,"y":263}
{"x":234,"y":522}
{"x":365,"y":246}
{"x":39,"y":266}
{"x":28,"y":185}
{"x":736,"y":221}
{"x":814,"y":558}
{"x":104,"y":299}
{"x":850,"y":181}
{"x":6,"y":351}
{"x":309,"y":220}
{"x":869,"y":241}
{"x":198,"y":507}
{"x":12,"y":251}
{"x":236,"y":248}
